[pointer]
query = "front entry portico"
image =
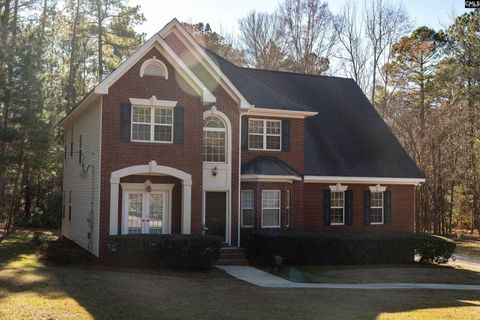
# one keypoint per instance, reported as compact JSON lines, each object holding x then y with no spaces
{"x":148,"y":212}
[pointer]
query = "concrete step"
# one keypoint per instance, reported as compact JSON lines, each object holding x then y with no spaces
{"x":232,"y":262}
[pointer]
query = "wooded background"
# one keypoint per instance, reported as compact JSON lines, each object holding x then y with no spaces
{"x":425,"y":84}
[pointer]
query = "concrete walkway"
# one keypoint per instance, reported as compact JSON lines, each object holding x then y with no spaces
{"x":266,"y":280}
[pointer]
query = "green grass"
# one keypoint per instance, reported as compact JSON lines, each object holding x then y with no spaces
{"x":30,"y":290}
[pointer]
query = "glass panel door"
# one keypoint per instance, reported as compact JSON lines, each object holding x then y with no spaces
{"x":135,"y":212}
{"x":156,"y":210}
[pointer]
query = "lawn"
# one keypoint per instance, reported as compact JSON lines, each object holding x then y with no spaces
{"x":30,"y":290}
{"x":468,"y":247}
{"x":392,"y":273}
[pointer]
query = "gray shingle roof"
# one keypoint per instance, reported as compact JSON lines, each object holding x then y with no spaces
{"x":268,"y":166}
{"x":346,"y":138}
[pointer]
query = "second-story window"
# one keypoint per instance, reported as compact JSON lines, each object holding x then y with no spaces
{"x":264,"y":134}
{"x":214,"y":139}
{"x":152,"y":124}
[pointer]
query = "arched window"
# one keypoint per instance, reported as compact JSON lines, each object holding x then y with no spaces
{"x":214,"y":139}
{"x":154,"y":67}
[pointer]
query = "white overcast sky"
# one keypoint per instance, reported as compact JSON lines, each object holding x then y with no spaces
{"x":224,"y":15}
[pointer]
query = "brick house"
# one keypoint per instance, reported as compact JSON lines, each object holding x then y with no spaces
{"x":180,"y":140}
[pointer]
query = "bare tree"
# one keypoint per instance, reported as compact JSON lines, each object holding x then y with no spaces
{"x":385,"y":23}
{"x":355,"y":52}
{"x":309,"y":34}
{"x":262,"y":37}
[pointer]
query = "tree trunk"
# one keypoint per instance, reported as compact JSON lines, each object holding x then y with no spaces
{"x":70,"y":97}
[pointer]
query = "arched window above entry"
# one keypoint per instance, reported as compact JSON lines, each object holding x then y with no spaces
{"x":154,"y":67}
{"x":214,"y":139}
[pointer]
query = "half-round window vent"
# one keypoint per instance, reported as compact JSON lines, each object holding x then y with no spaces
{"x":154,"y":67}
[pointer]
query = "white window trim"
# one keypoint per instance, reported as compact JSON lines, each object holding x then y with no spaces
{"x":288,"y":205}
{"x":140,"y":187}
{"x":152,"y":124}
{"x":264,"y":134}
{"x":224,"y":129}
{"x":252,"y":208}
{"x":343,"y":207}
{"x":153,"y":102}
{"x":378,"y":189}
{"x":279,"y":208}
{"x":157,"y":62}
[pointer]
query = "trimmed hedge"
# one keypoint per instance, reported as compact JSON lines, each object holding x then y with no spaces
{"x":63,"y":251}
{"x":322,"y":248}
{"x":179,"y":252}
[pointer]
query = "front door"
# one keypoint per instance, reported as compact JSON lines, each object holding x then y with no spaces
{"x":145,"y":211}
{"x":215,"y":213}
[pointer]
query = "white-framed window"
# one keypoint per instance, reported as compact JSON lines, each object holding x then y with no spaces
{"x":270,"y":208}
{"x":264,"y":134}
{"x":337,"y":207}
{"x":152,"y":124}
{"x":247,"y":208}
{"x":287,"y":208}
{"x":376,"y":207}
{"x":214,"y":139}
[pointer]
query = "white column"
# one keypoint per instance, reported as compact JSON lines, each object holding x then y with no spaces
{"x":186,"y":206}
{"x":114,"y":185}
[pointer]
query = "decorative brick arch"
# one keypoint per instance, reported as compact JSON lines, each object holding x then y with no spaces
{"x":151,"y":168}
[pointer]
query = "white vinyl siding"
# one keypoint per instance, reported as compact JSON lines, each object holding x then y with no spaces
{"x":88,"y":125}
{"x":270,"y":208}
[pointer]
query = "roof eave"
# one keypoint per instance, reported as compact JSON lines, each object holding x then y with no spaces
{"x":280,"y":113}
{"x":363,"y":180}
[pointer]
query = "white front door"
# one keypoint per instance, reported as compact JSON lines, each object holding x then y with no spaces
{"x":145,"y":212}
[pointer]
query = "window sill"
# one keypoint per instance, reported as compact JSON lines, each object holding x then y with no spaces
{"x":267,"y":150}
{"x":376,"y":223}
{"x":150,"y":142}
{"x":337,"y":224}
{"x":270,"y":227}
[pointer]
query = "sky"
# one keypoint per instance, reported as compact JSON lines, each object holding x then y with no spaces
{"x":223,"y":15}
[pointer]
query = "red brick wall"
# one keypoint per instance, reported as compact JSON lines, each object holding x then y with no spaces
{"x":307,"y":207}
{"x":117,"y":154}
{"x":403,"y":208}
{"x":294,"y":157}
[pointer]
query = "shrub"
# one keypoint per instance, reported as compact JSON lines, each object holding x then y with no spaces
{"x":179,"y":252}
{"x":63,"y":252}
{"x":321,"y":248}
{"x":433,"y":249}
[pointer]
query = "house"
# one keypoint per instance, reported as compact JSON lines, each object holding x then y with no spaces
{"x":180,"y":140}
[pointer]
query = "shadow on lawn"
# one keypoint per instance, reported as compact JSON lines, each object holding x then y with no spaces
{"x":105,"y":294}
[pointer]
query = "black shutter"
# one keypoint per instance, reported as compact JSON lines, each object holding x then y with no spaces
{"x":387,"y":206}
{"x":366,"y":207}
{"x":125,"y":118}
{"x":348,"y":207}
{"x":286,"y":135}
{"x":244,"y":133}
{"x":178,"y":124}
{"x":326,"y":207}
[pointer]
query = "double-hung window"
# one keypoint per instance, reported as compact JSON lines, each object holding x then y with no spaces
{"x":264,"y":134}
{"x":270,"y":208}
{"x":337,"y":207}
{"x":376,"y":207}
{"x":152,"y":124}
{"x":247,"y":208}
